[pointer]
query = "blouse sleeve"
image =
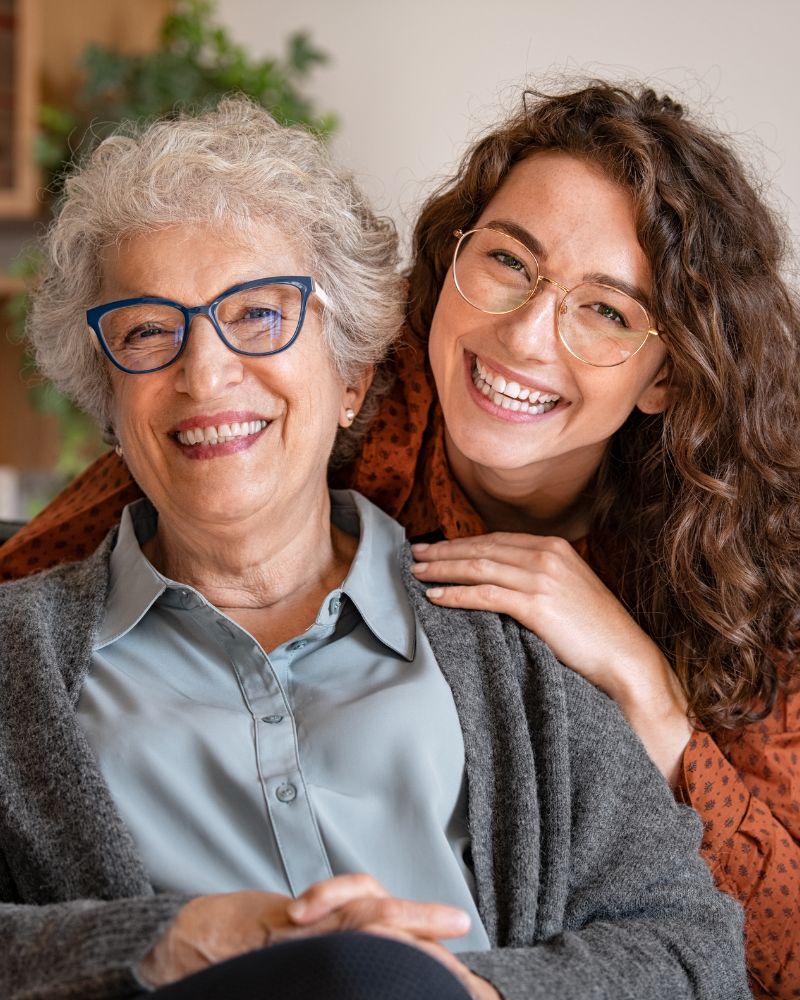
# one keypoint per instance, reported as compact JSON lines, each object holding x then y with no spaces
{"x":749,"y":800}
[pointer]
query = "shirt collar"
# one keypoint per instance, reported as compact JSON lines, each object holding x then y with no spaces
{"x":373,"y":584}
{"x":135,"y":585}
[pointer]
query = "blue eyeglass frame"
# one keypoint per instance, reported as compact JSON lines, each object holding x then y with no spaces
{"x":304,"y":283}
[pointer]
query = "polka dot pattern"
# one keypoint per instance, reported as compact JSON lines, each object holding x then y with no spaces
{"x":748,"y":795}
{"x":75,"y":523}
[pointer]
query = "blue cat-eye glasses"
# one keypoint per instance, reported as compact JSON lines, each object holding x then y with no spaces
{"x":256,"y":318}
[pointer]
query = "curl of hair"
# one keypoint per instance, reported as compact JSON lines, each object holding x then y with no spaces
{"x":233,"y":167}
{"x":695,"y":512}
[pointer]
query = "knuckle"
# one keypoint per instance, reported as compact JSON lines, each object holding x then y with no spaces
{"x":479,"y":566}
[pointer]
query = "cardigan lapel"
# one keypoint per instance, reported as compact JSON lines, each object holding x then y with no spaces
{"x":503,"y":806}
{"x":64,"y":837}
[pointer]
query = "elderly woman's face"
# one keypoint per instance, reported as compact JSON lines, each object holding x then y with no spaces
{"x":277,"y":415}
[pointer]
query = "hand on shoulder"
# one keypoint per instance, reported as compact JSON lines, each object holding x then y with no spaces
{"x":548,"y":588}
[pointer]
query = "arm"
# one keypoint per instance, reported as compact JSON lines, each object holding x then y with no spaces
{"x":83,"y":950}
{"x":641,"y":917}
{"x":749,"y":803}
{"x":750,"y":807}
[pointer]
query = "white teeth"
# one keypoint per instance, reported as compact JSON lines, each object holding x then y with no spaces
{"x":221,"y":434}
{"x":511,"y":395}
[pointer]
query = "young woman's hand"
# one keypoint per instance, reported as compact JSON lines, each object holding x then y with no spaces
{"x":548,"y":588}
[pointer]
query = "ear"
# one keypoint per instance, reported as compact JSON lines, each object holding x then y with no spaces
{"x":657,"y":394}
{"x":353,"y":396}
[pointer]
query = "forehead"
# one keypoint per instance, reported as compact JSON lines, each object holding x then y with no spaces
{"x":572,"y":209}
{"x":194,"y":263}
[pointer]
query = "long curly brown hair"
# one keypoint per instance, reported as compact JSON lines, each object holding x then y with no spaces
{"x":695,"y":512}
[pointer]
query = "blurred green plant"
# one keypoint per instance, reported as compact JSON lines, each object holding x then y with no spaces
{"x":195,"y":63}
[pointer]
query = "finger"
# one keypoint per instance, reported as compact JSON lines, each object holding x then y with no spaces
{"x":485,"y":597}
{"x":322,"y":898}
{"x":482,"y":570}
{"x":456,"y":548}
{"x":428,"y":921}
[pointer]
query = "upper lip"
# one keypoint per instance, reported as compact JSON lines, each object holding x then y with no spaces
{"x":511,"y":376}
{"x":215,"y":419}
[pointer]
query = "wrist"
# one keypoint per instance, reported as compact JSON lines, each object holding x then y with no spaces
{"x":653,"y":702}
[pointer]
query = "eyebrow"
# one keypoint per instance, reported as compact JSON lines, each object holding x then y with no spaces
{"x":537,"y":248}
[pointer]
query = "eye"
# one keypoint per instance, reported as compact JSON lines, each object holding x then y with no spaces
{"x":608,"y":312}
{"x":147,"y":331}
{"x":509,"y":260}
{"x":261,"y":312}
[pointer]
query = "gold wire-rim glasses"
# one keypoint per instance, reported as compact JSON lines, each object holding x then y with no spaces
{"x":561,"y":309}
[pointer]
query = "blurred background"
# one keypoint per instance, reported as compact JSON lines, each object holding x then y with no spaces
{"x":399,"y":89}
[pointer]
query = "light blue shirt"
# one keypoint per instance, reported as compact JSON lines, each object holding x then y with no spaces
{"x":237,"y":768}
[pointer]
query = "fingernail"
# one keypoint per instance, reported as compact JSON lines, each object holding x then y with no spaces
{"x":461,"y":922}
{"x":297,"y":909}
{"x":434,"y":592}
{"x":419,"y":567}
{"x":419,"y":546}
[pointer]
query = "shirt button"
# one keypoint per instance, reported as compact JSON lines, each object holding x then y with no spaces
{"x":297,"y":644}
{"x":286,"y":793}
{"x":333,"y":606}
{"x":272,"y":719}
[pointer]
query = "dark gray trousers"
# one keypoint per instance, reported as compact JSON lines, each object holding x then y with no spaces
{"x":344,"y":966}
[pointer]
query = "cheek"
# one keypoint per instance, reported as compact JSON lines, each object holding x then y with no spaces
{"x":443,"y":336}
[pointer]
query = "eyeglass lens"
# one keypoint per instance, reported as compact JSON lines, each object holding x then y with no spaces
{"x":148,"y":335}
{"x":597,"y":323}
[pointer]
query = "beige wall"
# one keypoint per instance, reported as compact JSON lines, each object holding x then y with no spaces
{"x":412,"y":79}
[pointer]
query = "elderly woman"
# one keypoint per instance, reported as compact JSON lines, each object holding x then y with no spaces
{"x":243,"y":699}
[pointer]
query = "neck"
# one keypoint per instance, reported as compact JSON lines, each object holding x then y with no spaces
{"x":549,"y":498}
{"x":276,"y":557}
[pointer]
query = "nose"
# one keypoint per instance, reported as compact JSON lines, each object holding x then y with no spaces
{"x":208,"y":368}
{"x":531,"y":332}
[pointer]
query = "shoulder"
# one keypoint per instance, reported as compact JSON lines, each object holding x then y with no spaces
{"x":70,"y":582}
{"x":53,"y":614}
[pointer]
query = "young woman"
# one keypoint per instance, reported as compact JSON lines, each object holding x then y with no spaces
{"x":613,"y":454}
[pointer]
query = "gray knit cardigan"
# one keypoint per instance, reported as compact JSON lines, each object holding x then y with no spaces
{"x":587,"y":872}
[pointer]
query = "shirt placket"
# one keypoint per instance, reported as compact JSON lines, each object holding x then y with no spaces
{"x":283,"y":785}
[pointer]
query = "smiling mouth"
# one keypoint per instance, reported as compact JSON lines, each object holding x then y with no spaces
{"x":508,"y":394}
{"x":220,"y":434}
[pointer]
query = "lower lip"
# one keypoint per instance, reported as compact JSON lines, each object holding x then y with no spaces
{"x":500,"y":412}
{"x":200,"y":452}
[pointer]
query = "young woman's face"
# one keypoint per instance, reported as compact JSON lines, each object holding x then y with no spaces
{"x":582,"y":227}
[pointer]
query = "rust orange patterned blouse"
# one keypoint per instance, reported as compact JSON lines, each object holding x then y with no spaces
{"x":748,"y":794}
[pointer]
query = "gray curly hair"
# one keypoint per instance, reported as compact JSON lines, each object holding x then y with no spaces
{"x":236,"y":166}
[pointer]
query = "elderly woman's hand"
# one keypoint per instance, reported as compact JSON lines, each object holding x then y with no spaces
{"x":211,"y":929}
{"x":360,"y":902}
{"x":550,"y":589}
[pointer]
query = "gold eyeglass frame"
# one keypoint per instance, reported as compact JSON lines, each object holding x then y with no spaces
{"x":561,"y":310}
